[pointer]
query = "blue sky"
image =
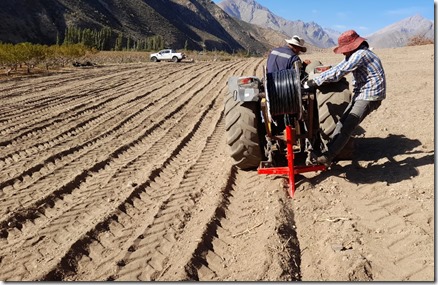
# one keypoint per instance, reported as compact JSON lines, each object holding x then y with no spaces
{"x":364,"y":16}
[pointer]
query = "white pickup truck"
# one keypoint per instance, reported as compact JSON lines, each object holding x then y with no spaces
{"x":167,"y":54}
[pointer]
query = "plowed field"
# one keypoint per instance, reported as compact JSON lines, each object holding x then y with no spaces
{"x":122,"y":172}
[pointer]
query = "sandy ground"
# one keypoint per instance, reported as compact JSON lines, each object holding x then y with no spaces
{"x":122,"y":173}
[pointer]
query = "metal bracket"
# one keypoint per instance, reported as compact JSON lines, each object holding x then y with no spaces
{"x":291,"y":169}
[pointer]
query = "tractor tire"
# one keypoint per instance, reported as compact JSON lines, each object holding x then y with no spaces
{"x":243,"y":127}
{"x":333,"y":99}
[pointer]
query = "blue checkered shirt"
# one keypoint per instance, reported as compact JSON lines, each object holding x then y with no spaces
{"x":368,"y":75}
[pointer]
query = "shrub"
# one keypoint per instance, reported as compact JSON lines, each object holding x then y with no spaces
{"x":419,"y":40}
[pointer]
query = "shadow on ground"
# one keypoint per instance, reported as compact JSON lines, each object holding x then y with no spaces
{"x":374,"y":161}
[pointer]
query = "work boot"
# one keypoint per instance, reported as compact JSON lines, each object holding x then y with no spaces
{"x":324,"y":159}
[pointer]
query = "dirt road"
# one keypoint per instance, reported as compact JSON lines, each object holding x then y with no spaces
{"x":122,"y":173}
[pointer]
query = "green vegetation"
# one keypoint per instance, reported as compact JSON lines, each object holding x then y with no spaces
{"x":13,"y":56}
{"x":106,"y":39}
{"x":79,"y":43}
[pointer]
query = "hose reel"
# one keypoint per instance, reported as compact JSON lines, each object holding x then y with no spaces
{"x":283,"y":92}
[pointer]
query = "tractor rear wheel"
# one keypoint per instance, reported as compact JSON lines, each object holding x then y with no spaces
{"x":333,"y":99}
{"x":243,"y":129}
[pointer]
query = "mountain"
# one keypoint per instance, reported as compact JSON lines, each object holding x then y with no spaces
{"x":395,"y":35}
{"x":398,"y":34}
{"x":333,"y":34}
{"x":252,"y":12}
{"x":198,"y":23}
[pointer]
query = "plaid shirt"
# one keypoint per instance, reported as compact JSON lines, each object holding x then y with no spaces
{"x":369,"y":77}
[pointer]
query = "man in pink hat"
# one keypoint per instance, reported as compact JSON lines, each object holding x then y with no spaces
{"x":369,"y":88}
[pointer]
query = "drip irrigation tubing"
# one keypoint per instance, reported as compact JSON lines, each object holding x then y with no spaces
{"x":284,"y":92}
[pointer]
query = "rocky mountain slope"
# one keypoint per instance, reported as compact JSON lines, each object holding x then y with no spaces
{"x":395,"y":35}
{"x":398,"y":34}
{"x":198,"y":23}
{"x":252,"y":12}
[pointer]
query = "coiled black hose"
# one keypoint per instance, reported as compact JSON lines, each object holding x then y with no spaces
{"x":284,"y":92}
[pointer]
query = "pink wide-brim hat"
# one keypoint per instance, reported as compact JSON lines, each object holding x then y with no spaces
{"x":348,"y":41}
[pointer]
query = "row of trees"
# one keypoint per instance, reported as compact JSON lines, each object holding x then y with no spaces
{"x":74,"y":45}
{"x":12,"y":56}
{"x":107,"y":39}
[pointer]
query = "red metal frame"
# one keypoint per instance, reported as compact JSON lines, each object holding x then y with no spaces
{"x":291,"y":169}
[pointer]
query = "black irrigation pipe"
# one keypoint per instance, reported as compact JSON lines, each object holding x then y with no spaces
{"x":284,"y":92}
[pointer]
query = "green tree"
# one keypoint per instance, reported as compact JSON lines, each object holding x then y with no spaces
{"x":30,"y":54}
{"x":119,"y":42}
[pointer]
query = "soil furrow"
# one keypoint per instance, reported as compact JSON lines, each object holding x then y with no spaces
{"x":20,"y":91}
{"x":123,"y":172}
{"x":219,"y":255}
{"x":185,"y":143}
{"x":93,"y":93}
{"x":209,"y":92}
{"x":81,"y":115}
{"x":90,"y":139}
{"x":29,"y":100}
{"x":123,"y":149}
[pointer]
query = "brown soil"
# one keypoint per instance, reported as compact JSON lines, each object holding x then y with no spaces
{"x":122,"y":173}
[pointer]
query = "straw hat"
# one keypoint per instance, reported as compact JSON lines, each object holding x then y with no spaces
{"x":298,"y":42}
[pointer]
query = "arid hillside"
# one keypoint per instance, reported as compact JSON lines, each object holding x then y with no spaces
{"x":195,"y":24}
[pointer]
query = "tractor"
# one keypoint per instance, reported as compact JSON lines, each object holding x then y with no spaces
{"x":277,"y":126}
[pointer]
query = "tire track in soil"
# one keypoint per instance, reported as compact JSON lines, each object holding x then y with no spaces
{"x":183,"y":208}
{"x":220,"y":246}
{"x":376,"y":229}
{"x":41,"y":237}
{"x":10,"y":88}
{"x":404,"y":243}
{"x":75,"y":141}
{"x":80,"y":122}
{"x":73,"y":163}
{"x":43,"y":117}
{"x":20,"y":91}
{"x":37,"y":91}
{"x":85,"y":98}
{"x":174,"y":198}
{"x":220,"y":255}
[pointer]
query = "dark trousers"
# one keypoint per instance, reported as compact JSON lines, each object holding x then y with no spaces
{"x":353,"y":115}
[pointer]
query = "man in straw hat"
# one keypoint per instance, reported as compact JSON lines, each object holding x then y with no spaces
{"x":283,"y":58}
{"x":369,"y":88}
